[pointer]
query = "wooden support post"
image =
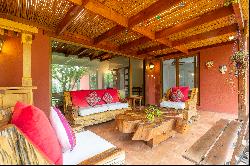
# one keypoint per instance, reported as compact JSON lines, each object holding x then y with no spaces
{"x":242,"y":84}
{"x":26,"y":41}
{"x":130,"y":77}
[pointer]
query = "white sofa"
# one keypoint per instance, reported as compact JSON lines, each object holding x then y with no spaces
{"x":89,"y":145}
{"x":84,"y":111}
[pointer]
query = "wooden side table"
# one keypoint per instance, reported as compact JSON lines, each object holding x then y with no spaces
{"x":132,"y":100}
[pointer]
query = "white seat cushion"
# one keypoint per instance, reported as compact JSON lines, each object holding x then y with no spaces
{"x":84,"y":111}
{"x":88,"y":144}
{"x":117,"y":105}
{"x":172,"y":104}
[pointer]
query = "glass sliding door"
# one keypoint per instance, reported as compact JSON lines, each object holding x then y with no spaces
{"x":187,"y":72}
{"x":180,"y":72}
{"x":169,"y":74}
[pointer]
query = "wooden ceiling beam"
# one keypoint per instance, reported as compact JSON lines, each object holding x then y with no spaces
{"x":100,"y":9}
{"x":205,"y":18}
{"x":77,"y":2}
{"x":154,"y":48}
{"x":99,"y":56}
{"x":207,"y":35}
{"x":151,"y":11}
{"x":115,"y":30}
{"x":106,"y":12}
{"x":69,"y":17}
{"x":238,"y":15}
{"x":192,"y":51}
{"x":135,"y":43}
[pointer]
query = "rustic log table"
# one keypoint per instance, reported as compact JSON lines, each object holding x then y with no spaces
{"x":135,"y":121}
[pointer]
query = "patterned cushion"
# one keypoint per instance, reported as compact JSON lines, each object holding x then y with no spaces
{"x":107,"y":98}
{"x":93,"y":99}
{"x":176,"y":95}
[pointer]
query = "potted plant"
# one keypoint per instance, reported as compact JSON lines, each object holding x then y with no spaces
{"x":152,"y":112}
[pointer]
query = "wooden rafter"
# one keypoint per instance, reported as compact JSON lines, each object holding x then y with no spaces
{"x":99,"y":56}
{"x":239,"y":15}
{"x":192,"y":51}
{"x":135,"y":43}
{"x":98,"y":8}
{"x":111,"y":32}
{"x":154,"y":9}
{"x":69,"y":17}
{"x":150,"y":49}
{"x":205,"y":18}
{"x":77,"y":2}
{"x":207,"y":35}
{"x":106,"y":12}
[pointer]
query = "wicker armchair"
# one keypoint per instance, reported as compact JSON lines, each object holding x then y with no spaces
{"x":190,"y":105}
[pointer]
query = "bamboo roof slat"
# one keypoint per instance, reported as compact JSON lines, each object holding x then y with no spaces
{"x":219,"y":23}
{"x":127,"y":8}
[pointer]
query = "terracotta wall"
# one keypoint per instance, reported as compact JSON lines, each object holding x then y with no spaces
{"x":11,"y":62}
{"x":153,"y":83}
{"x":216,"y":94}
{"x":41,"y":59}
{"x":11,"y":67}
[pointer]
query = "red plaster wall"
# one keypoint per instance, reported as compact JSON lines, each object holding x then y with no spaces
{"x":11,"y":63}
{"x":41,"y":58}
{"x":11,"y":67}
{"x":216,"y":94}
{"x":153,"y":84}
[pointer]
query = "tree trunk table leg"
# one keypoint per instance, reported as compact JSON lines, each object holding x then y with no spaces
{"x":160,"y":138}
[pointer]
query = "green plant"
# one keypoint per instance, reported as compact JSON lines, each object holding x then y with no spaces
{"x":240,"y":61}
{"x":228,"y":2}
{"x":151,"y":112}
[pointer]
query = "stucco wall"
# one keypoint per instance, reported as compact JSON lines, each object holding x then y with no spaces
{"x":11,"y":67}
{"x":216,"y":94}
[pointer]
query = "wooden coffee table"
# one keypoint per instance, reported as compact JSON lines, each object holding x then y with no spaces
{"x":135,"y":121}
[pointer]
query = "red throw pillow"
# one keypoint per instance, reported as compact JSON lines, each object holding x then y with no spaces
{"x":79,"y":98}
{"x":176,"y":95}
{"x":93,"y":99}
{"x":114,"y":94}
{"x":184,"y":91}
{"x":36,"y":126}
{"x":107,"y":98}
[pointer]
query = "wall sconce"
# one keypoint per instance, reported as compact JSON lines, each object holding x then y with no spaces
{"x":151,"y":66}
{"x":1,"y":44}
{"x":209,"y":64}
{"x":223,"y":69}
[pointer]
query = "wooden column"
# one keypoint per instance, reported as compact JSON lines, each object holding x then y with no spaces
{"x":130,"y":77}
{"x":242,"y":84}
{"x":26,"y":42}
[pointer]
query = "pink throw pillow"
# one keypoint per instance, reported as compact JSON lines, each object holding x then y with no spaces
{"x":64,"y":132}
{"x":36,"y":126}
{"x":107,"y":98}
{"x":93,"y":99}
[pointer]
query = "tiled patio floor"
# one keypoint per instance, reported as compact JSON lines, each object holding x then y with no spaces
{"x":168,"y":152}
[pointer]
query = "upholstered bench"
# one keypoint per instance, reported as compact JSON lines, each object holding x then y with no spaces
{"x":90,"y":149}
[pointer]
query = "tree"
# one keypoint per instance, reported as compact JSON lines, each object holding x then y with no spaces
{"x":66,"y":76}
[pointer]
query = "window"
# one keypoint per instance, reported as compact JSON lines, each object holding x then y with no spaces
{"x":180,"y":72}
{"x":93,"y":84}
{"x":108,"y":80}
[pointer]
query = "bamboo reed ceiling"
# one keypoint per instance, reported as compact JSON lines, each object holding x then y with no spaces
{"x":131,"y":27}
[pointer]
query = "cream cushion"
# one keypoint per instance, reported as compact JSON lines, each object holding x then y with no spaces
{"x":172,"y":104}
{"x":88,"y":144}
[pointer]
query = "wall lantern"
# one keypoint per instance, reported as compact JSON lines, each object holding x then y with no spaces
{"x":1,"y":44}
{"x":151,"y":66}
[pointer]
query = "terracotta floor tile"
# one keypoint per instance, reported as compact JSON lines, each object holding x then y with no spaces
{"x":168,"y":152}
